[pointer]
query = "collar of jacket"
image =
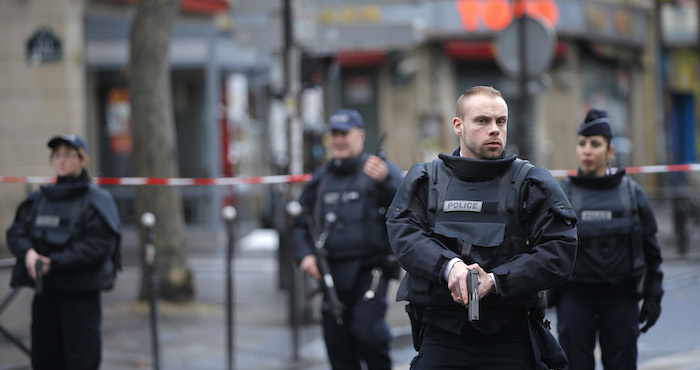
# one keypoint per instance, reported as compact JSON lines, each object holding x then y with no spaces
{"x":67,"y":187}
{"x":598,"y":182}
{"x":470,"y":170}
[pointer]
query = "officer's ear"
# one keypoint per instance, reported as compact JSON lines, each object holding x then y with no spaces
{"x":457,"y":126}
{"x":362,"y":133}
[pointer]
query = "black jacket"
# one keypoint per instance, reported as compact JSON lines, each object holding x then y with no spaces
{"x":358,"y":236}
{"x":544,"y":212}
{"x":594,"y":190}
{"x":77,"y":265}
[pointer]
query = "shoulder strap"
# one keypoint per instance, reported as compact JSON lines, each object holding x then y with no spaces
{"x":634,"y":207}
{"x":510,"y":201}
{"x":35,"y":206}
{"x":439,"y":176}
{"x":520,"y":169}
{"x":80,"y":207}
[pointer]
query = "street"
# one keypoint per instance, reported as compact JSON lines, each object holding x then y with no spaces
{"x":674,"y":342}
{"x":193,"y":336}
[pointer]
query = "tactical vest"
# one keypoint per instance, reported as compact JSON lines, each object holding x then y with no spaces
{"x":358,"y":228}
{"x":610,"y":233}
{"x":477,"y":220}
{"x":55,"y":223}
{"x":482,"y":216}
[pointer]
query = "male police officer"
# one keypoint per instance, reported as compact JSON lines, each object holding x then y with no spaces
{"x":480,"y":209}
{"x":347,"y":200}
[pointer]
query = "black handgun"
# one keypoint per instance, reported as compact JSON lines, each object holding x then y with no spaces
{"x":473,"y":288}
{"x":39,"y":268}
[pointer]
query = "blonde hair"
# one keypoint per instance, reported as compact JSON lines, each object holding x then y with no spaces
{"x":475,"y":90}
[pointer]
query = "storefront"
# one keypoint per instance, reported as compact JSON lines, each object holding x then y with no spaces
{"x":603,"y":58}
{"x":214,"y":140}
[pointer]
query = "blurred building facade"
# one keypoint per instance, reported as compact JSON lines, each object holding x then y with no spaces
{"x":605,"y":55}
{"x":679,"y":32}
{"x":401,"y":63}
{"x":64,"y":68}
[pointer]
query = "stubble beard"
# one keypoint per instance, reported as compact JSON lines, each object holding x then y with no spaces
{"x":491,"y":154}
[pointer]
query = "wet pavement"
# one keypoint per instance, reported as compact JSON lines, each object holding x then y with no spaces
{"x":193,"y":335}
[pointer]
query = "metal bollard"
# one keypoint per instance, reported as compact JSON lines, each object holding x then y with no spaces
{"x":229,"y":215}
{"x":148,"y":220}
{"x":296,"y":291}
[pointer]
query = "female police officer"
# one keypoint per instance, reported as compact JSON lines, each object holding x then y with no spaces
{"x":618,"y":259}
{"x":69,"y":234}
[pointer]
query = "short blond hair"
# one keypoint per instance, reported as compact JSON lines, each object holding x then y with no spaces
{"x":475,"y":90}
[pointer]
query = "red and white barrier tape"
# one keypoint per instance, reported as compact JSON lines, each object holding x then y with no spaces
{"x":641,"y":169}
{"x":286,"y":178}
{"x":168,"y":181}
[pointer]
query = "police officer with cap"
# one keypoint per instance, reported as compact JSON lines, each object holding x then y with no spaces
{"x":618,"y":262}
{"x":347,"y":199}
{"x":66,"y":238}
{"x":481,"y":209}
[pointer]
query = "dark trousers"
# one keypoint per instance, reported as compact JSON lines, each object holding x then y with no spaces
{"x":509,"y":348}
{"x":66,"y":331}
{"x":608,"y":312}
{"x":364,"y":336}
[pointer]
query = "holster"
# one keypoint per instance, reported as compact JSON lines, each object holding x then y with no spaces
{"x":415,"y":314}
{"x":548,"y":353}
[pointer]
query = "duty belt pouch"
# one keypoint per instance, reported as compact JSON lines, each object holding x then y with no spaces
{"x":415,"y":314}
{"x":548,"y":352}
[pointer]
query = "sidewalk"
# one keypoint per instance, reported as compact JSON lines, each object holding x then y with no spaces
{"x":193,"y":336}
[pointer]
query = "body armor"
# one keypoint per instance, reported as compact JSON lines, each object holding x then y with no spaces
{"x":477,"y":220}
{"x":346,"y":204}
{"x":55,"y":218}
{"x":610,"y":246}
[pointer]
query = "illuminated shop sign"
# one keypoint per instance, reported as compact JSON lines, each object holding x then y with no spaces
{"x":496,"y":15}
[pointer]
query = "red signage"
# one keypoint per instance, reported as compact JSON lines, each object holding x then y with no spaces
{"x":496,"y":15}
{"x":118,"y":112}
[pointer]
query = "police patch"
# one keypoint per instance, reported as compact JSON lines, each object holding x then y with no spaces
{"x":333,"y":196}
{"x":596,"y":215}
{"x":462,"y":206}
{"x":47,"y":221}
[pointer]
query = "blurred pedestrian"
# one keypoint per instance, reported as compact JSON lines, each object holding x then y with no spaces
{"x":347,"y":200}
{"x":481,"y":209}
{"x":66,"y":238}
{"x":618,"y":261}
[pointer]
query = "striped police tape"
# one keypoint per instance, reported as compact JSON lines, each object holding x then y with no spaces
{"x":280,"y":179}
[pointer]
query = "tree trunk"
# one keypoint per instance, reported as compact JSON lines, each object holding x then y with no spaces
{"x":155,"y":147}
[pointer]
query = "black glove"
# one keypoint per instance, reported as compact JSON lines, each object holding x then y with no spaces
{"x":651,"y":310}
